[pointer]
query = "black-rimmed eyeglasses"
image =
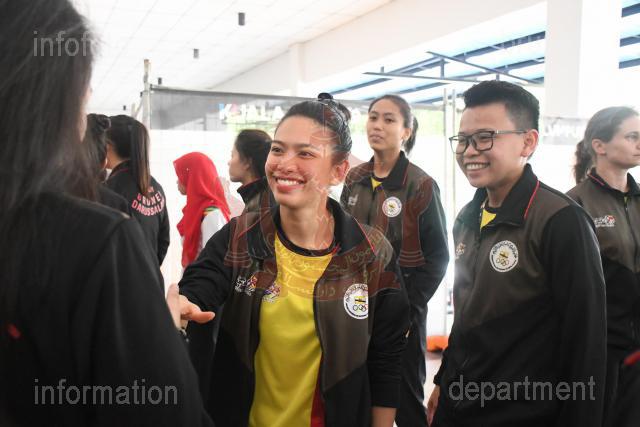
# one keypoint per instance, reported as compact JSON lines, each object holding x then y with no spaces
{"x":481,"y":140}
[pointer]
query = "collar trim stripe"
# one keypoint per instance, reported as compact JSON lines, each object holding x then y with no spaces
{"x":535,"y":191}
{"x":596,"y":179}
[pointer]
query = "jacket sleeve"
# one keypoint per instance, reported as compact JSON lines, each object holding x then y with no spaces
{"x":443,"y":366}
{"x":121,"y":320}
{"x":572,"y":262}
{"x":207,"y":281}
{"x":163,"y":235}
{"x":435,"y":249}
{"x":388,"y":338}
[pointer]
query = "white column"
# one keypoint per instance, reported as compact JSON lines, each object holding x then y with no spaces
{"x":581,"y":60}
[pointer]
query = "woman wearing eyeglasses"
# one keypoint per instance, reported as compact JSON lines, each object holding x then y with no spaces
{"x":315,"y":314}
{"x":610,"y":148}
{"x":401,"y":200}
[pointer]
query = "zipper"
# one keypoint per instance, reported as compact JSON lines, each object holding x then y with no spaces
{"x":476,"y":244}
{"x":477,"y":241}
{"x":374,"y":205}
{"x":635,"y":241}
{"x":320,"y":337}
{"x":253,"y":357}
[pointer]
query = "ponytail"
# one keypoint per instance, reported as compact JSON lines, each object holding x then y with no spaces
{"x":130,"y":140}
{"x":603,"y":125}
{"x":411,"y":141}
{"x":584,"y":161}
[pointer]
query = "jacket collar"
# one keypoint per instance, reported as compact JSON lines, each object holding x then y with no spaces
{"x":514,"y":209}
{"x":248,"y":191}
{"x":596,"y":179}
{"x":348,"y":234}
{"x":122,"y":166}
{"x":395,"y":180}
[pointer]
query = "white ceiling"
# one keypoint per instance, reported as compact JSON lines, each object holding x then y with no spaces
{"x":167,"y":31}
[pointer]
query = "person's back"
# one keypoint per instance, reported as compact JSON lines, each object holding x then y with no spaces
{"x":150,"y":210}
{"x":110,"y":198}
{"x":128,"y":157}
{"x":89,"y":325}
{"x":85,"y":335}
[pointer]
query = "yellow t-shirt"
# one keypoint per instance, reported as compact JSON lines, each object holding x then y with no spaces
{"x":487,"y":217}
{"x":288,"y":356}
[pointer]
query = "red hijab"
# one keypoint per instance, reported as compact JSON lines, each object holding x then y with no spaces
{"x":198,"y":175}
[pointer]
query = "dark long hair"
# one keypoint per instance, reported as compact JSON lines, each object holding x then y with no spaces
{"x":603,"y":126}
{"x":253,"y":146}
{"x":42,"y":92}
{"x":95,"y":141}
{"x":409,"y":120}
{"x":130,"y":140}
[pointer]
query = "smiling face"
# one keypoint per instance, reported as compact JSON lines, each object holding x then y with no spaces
{"x":301,"y":164}
{"x":623,"y":151}
{"x":385,"y":127}
{"x":503,"y":164}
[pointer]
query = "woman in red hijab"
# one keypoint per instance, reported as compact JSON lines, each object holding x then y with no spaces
{"x":206,"y":210}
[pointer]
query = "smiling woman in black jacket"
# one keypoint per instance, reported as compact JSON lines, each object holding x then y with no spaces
{"x":315,"y":314}
{"x":128,"y":157}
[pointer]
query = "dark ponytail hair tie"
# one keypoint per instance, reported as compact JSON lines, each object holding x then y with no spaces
{"x":103,"y":122}
{"x":343,"y":112}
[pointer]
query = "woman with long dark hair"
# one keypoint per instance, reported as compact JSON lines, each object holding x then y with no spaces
{"x":95,"y":141}
{"x":315,"y":315}
{"x":248,"y":157}
{"x":608,"y":192}
{"x":128,"y":158}
{"x":400,"y":199}
{"x":85,"y":335}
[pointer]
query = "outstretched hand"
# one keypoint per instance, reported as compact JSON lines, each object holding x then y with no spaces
{"x":432,"y":406}
{"x":182,"y":310}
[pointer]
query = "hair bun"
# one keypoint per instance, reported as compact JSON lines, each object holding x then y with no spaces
{"x":337,"y":106}
{"x":324,"y":95}
{"x":103,"y":122}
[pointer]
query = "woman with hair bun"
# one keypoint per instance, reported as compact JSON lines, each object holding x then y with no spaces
{"x":315,"y":314}
{"x":608,"y":192}
{"x":401,"y":200}
{"x":128,"y":157}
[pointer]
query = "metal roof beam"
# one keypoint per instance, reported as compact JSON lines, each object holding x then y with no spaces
{"x":480,"y":67}
{"x":413,"y":76}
